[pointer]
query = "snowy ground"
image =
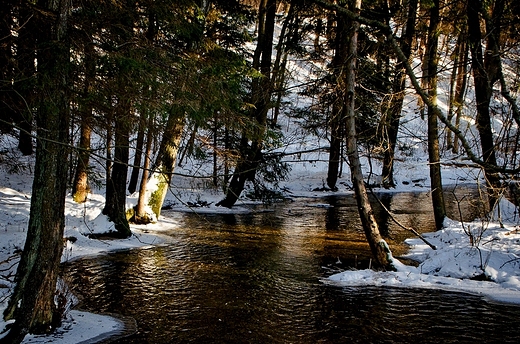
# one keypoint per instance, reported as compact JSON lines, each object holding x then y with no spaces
{"x":495,"y":250}
{"x":465,"y":251}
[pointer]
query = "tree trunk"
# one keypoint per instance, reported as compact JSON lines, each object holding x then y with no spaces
{"x":109,"y":147}
{"x":460,"y":90}
{"x":24,"y":81}
{"x":159,"y":182}
{"x":134,"y":177}
{"x":439,"y":209}
{"x":378,"y":245}
{"x":280,"y":63}
{"x":32,"y":304}
{"x":451,"y":93}
{"x":215,"y":151}
{"x":80,"y":187}
{"x":115,"y":203}
{"x":140,"y":214}
{"x":393,"y":115}
{"x":485,"y":75}
{"x":7,"y":65}
{"x":261,"y":96}
{"x":337,"y":118}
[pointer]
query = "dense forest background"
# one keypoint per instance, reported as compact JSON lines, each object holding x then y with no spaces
{"x":139,"y":87}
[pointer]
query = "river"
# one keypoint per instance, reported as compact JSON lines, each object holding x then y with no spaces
{"x":257,"y":278}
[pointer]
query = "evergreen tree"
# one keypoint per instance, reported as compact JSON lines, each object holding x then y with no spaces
{"x":33,"y":303}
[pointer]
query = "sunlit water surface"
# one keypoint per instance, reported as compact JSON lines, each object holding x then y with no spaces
{"x":257,"y":278}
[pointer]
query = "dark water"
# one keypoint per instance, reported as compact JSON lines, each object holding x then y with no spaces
{"x":255,"y":278}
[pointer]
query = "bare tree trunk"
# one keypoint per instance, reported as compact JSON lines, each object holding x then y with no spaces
{"x":25,"y":84}
{"x":451,"y":93}
{"x":460,"y":90}
{"x":80,"y":187}
{"x":140,"y":214}
{"x":6,"y":64}
{"x":378,"y":245}
{"x":32,"y":304}
{"x":439,"y":209}
{"x":280,"y":62}
{"x":261,"y":96}
{"x":337,"y":117}
{"x":215,"y":149}
{"x":485,"y":74}
{"x":396,"y":103}
{"x":115,"y":203}
{"x":134,"y":177}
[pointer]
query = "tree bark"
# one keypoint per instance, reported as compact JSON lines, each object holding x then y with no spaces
{"x":261,"y":96}
{"x":32,"y":304}
{"x":80,"y":187}
{"x":115,"y":202}
{"x":337,"y":118}
{"x":393,"y":114}
{"x":485,"y":74}
{"x":7,"y":104}
{"x":159,"y":182}
{"x":460,"y":90}
{"x":24,"y":84}
{"x":439,"y":209}
{"x":140,"y":215}
{"x":378,"y":245}
{"x":134,"y":177}
{"x":280,"y":62}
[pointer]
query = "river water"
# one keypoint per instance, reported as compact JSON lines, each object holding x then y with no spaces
{"x":257,"y":278}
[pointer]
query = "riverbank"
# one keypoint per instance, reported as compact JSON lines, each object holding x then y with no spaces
{"x":465,"y":251}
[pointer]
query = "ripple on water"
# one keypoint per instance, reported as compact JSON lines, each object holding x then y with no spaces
{"x":255,"y":279}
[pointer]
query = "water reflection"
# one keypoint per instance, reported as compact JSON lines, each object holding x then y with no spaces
{"x":255,"y":278}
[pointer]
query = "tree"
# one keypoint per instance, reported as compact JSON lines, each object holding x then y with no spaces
{"x":459,"y":84}
{"x":115,"y":204}
{"x":208,"y":76}
{"x":378,"y":245}
{"x":17,"y":56}
{"x":391,"y":117}
{"x":161,"y":176}
{"x":337,"y":117}
{"x":439,"y":209}
{"x":124,"y":64}
{"x":132,"y":185}
{"x":140,"y":213}
{"x":32,"y":304}
{"x":80,"y":187}
{"x":486,"y":72}
{"x":6,"y":65}
{"x":261,"y":89}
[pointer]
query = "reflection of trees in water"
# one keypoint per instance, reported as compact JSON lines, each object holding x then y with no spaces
{"x":472,"y":203}
{"x":255,"y":277}
{"x":332,"y":216}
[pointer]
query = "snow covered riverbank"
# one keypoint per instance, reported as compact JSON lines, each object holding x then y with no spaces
{"x":465,"y":251}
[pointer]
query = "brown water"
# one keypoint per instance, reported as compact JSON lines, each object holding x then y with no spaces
{"x":255,"y":278}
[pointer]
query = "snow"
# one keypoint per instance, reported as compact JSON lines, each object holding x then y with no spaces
{"x":494,"y":249}
{"x":465,"y":251}
{"x":83,"y":328}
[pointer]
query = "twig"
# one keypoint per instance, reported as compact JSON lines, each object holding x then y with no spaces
{"x":391,"y":215}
